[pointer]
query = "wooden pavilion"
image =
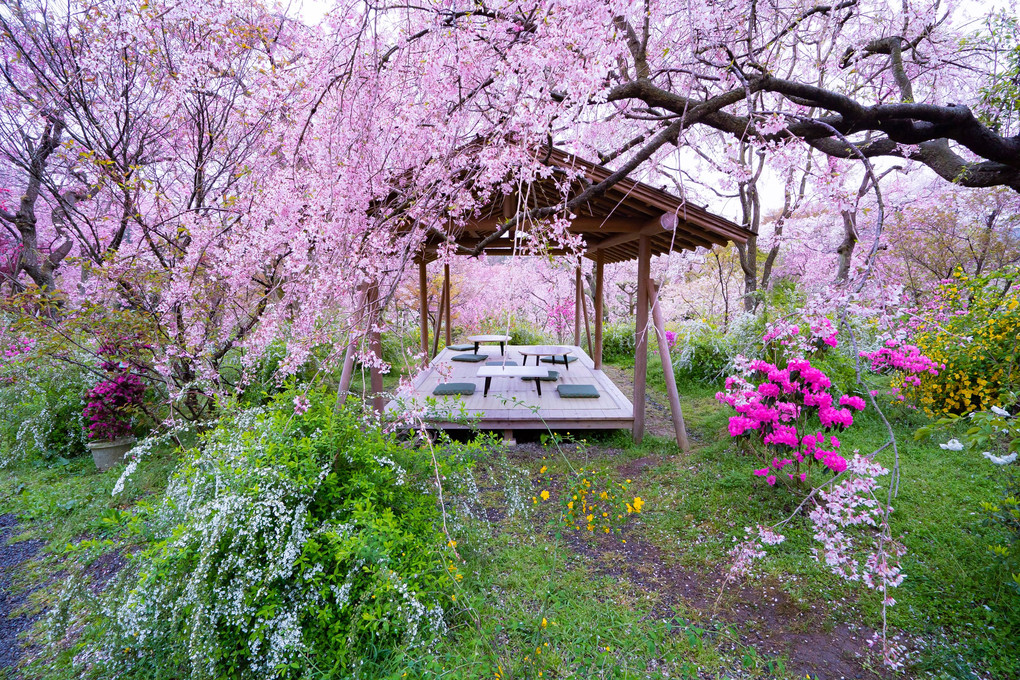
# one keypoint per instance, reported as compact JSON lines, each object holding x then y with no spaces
{"x":630,"y":221}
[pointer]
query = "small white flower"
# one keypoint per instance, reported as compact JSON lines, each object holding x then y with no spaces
{"x":999,"y":460}
{"x":999,"y":411}
{"x":952,"y":445}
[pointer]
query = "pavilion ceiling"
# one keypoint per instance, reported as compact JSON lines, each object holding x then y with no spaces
{"x":612,"y":224}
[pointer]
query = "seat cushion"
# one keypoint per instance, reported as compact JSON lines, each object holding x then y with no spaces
{"x":558,"y":359}
{"x":463,"y":347}
{"x":454,"y":388}
{"x":500,"y":363}
{"x":578,"y":391}
{"x":552,"y":377}
{"x":470,"y":358}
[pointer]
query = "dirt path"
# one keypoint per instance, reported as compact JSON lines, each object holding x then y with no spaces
{"x":764,"y":616}
{"x":12,"y":555}
{"x":658,"y":421}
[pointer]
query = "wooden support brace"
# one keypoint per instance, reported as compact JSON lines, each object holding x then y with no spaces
{"x":679,"y":427}
{"x":439,"y":321}
{"x":375,"y":344}
{"x":587,"y":324}
{"x":446,"y":287}
{"x":577,"y":306}
{"x":423,"y":307}
{"x":347,"y":373}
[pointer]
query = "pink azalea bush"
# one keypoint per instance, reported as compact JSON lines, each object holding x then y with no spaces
{"x":111,"y":404}
{"x":789,"y":416}
{"x":898,"y":355}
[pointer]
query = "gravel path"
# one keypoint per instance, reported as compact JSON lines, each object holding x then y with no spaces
{"x":11,"y":557}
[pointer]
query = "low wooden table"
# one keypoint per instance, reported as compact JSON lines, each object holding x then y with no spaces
{"x":479,"y":339}
{"x":539,"y":351}
{"x":490,"y":372}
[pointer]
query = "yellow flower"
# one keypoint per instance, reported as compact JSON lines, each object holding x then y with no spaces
{"x":544,"y":622}
{"x":544,"y":495}
{"x":452,"y":543}
{"x":638,"y":504}
{"x":570,"y":505}
{"x":544,"y":468}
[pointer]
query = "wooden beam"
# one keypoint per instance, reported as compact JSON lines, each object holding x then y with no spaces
{"x":509,"y":206}
{"x":578,"y":225}
{"x":577,"y":306}
{"x":679,"y":427}
{"x":446,"y":285}
{"x":641,"y":336}
{"x":598,"y":311}
{"x":667,"y":222}
{"x":423,"y":308}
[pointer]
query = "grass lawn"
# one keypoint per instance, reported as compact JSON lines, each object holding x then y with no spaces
{"x":541,"y":600}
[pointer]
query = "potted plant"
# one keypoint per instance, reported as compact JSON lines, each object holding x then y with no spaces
{"x":110,"y":408}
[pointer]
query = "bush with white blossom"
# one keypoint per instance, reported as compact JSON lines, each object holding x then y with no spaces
{"x":292,"y":538}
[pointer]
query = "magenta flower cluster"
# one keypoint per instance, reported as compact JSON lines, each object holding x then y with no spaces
{"x":110,"y":404}
{"x":786,"y":411}
{"x":816,"y":335}
{"x":902,"y":356}
{"x":16,"y":348}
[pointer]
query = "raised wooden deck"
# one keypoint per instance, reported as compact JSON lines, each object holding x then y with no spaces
{"x":513,"y":403}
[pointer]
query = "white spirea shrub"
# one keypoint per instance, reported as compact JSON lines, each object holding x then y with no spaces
{"x":284,"y":543}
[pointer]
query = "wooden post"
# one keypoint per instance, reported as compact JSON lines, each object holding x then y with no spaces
{"x":598,"y":311}
{"x":679,"y":427}
{"x":641,"y":336}
{"x":375,"y":344}
{"x":577,"y":306}
{"x":423,"y":308}
{"x":446,"y":285}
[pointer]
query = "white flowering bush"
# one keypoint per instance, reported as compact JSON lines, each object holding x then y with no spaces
{"x":700,"y":352}
{"x":287,"y":541}
{"x":41,"y":409}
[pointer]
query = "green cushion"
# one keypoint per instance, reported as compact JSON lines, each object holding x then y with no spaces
{"x":454,"y":388}
{"x":558,"y":359}
{"x":463,"y":347}
{"x":500,"y":363}
{"x":471,"y":358}
{"x":578,"y":391}
{"x":552,"y":377}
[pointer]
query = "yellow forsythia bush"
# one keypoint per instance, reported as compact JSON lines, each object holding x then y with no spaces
{"x":972,"y":326}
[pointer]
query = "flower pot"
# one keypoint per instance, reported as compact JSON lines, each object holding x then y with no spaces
{"x":106,"y":454}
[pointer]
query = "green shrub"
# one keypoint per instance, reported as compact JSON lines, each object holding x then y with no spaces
{"x":41,"y":410}
{"x":523,"y":333}
{"x":618,"y":343}
{"x":288,"y":545}
{"x":399,"y":348}
{"x":701,"y":353}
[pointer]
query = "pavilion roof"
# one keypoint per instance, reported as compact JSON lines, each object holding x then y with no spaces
{"x":611,"y":224}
